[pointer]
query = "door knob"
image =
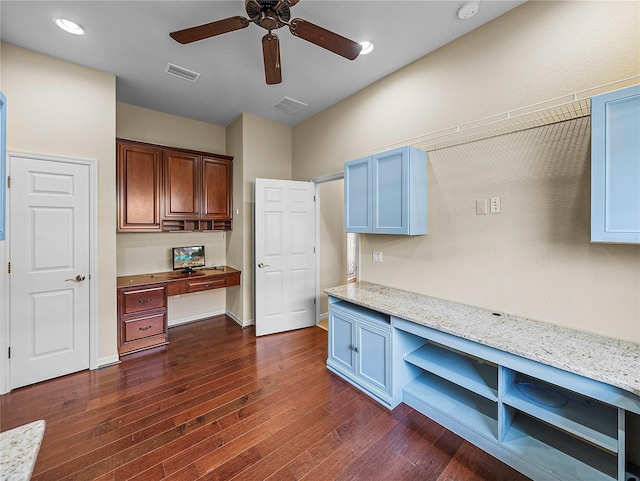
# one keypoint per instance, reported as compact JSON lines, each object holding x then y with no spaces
{"x":262,"y":266}
{"x":78,"y":278}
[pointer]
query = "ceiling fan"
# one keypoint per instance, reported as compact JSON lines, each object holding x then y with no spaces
{"x":272,"y":15}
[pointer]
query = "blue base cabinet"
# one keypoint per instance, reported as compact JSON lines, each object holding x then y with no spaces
{"x":360,"y":349}
{"x":615,"y":166}
{"x":387,"y":193}
{"x":545,"y":422}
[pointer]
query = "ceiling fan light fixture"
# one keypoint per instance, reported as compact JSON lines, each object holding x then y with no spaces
{"x":69,"y":26}
{"x":367,"y":47}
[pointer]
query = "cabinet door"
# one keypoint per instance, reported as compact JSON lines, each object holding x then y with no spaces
{"x":216,"y":189}
{"x":400,"y":191}
{"x":390,"y":187}
{"x":358,"y":196}
{"x":373,"y":355}
{"x":341,"y":340}
{"x":138,"y":185}
{"x":615,"y":166}
{"x":181,"y":185}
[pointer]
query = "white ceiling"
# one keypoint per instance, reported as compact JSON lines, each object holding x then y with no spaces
{"x":131,"y":40}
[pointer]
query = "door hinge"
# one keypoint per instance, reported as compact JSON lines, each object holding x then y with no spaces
{"x":9,"y":267}
{"x":9,"y":352}
{"x":8,"y":181}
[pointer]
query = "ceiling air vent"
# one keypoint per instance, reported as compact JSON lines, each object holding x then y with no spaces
{"x":290,"y":106}
{"x":182,"y":72}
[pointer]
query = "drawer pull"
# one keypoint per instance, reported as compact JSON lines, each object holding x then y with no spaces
{"x":143,"y":301}
{"x":144,"y":328}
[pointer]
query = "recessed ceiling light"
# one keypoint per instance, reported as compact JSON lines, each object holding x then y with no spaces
{"x":367,"y":47}
{"x":69,"y":26}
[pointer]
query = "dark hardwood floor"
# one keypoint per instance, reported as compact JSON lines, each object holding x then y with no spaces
{"x":220,"y":404}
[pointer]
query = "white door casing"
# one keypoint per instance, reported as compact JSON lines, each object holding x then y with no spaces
{"x":51,"y":222}
{"x":284,"y":255}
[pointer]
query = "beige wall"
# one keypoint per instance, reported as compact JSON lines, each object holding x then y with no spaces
{"x":265,"y":149}
{"x":137,"y":123}
{"x":62,"y":109}
{"x":332,"y":238}
{"x":235,"y":238}
{"x":534,"y":259}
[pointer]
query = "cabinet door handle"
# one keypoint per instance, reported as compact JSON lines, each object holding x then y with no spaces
{"x":144,"y":328}
{"x":142,"y":301}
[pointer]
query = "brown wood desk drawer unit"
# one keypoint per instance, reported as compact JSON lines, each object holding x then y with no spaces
{"x":142,"y":315}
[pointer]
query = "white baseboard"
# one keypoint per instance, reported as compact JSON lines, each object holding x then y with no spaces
{"x":108,"y":361}
{"x":324,"y":315}
{"x":196,"y":317}
{"x":239,"y":321}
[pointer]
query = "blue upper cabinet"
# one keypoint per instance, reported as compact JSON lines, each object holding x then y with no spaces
{"x":615,"y":166}
{"x":387,"y":193}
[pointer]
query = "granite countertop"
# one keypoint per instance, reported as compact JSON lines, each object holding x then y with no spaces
{"x":602,"y":358}
{"x":19,"y":449}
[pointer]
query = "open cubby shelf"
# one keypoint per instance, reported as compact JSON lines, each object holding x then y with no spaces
{"x":583,"y":417}
{"x":557,"y":453}
{"x":474,"y":411}
{"x":467,"y":371}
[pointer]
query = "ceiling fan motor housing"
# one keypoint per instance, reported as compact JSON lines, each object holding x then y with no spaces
{"x":263,"y":13}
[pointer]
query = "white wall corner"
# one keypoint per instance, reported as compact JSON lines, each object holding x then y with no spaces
{"x":239,"y":321}
{"x":108,"y":361}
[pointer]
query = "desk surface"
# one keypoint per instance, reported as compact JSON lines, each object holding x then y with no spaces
{"x":161,"y":277}
{"x":602,"y":358}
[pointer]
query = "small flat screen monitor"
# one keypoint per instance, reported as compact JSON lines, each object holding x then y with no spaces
{"x":188,"y":258}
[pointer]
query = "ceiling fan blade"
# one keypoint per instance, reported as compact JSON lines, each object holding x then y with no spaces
{"x":271,"y":54}
{"x":207,"y":30}
{"x":325,"y":38}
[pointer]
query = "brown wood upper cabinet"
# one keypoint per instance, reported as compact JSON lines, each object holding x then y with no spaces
{"x":194,"y":191}
{"x":139,"y":184}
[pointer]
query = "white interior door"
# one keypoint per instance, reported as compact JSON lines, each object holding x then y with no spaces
{"x":284,"y":255}
{"x":49,"y":280}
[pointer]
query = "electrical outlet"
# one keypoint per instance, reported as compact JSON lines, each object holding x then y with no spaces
{"x":495,"y":205}
{"x":376,"y":256}
{"x":481,"y":206}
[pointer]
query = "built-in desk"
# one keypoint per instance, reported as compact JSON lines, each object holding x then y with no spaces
{"x":142,"y":302}
{"x":552,"y":402}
